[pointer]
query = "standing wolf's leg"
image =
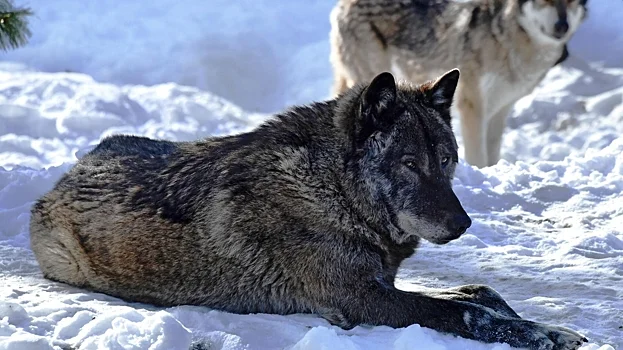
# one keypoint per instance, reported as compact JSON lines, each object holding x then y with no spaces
{"x":469,"y":104}
{"x":495,"y":131}
{"x":339,"y":83}
{"x":374,"y":304}
{"x":477,"y":294}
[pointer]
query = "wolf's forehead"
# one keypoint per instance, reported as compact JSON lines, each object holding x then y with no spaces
{"x":421,"y":115}
{"x":423,"y":128}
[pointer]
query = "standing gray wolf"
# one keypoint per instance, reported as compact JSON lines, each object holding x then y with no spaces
{"x":312,"y":212}
{"x":503,"y":48}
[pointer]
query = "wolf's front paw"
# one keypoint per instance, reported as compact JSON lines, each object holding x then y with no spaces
{"x":491,"y":327}
{"x":564,"y":338}
{"x":545,"y":337}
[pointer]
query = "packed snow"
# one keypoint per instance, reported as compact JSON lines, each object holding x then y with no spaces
{"x":548,"y":219}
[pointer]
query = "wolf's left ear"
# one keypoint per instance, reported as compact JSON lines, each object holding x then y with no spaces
{"x":378,"y":99}
{"x":376,"y":104}
{"x":441,"y":91}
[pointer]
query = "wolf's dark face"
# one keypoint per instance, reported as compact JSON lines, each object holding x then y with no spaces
{"x":551,"y":21}
{"x":408,"y":154}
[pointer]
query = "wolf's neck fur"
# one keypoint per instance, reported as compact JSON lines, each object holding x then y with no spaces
{"x":360,"y":199}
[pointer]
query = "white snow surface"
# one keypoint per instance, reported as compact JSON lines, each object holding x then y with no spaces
{"x":548,"y":219}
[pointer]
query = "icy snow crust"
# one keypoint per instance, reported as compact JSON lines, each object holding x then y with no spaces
{"x":548,"y":219}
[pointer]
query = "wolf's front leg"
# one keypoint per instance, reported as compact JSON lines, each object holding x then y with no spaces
{"x":374,"y":304}
{"x":495,"y":132}
{"x":477,"y":294}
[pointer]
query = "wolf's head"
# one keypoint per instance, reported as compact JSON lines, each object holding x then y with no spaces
{"x":551,"y":21}
{"x":405,"y":154}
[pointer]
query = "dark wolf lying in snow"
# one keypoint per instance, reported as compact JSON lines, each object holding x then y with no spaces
{"x":312,"y":212}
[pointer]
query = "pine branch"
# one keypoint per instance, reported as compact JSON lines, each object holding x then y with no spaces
{"x":14,"y":31}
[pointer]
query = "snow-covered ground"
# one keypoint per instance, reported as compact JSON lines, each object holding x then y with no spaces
{"x":251,"y":52}
{"x":548,"y":219}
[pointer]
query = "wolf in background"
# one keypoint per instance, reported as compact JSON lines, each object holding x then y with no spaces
{"x":503,"y":48}
{"x":312,"y":212}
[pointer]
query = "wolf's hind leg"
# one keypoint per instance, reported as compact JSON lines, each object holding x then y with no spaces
{"x":339,"y":84}
{"x":58,"y":253}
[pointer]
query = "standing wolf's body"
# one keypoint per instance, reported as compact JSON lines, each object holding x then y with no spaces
{"x":503,"y":49}
{"x":312,"y":212}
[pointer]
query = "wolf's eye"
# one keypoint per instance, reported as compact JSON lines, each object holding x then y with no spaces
{"x":445,"y":161}
{"x":410,"y":164}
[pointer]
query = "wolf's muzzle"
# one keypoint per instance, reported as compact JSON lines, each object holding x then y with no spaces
{"x":459,"y":223}
{"x":560,"y":29}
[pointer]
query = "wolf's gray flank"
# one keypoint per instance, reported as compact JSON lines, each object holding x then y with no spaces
{"x":504,"y":48}
{"x":311,"y":212}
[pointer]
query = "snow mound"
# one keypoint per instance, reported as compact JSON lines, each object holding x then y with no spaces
{"x":249,"y":52}
{"x":46,"y":118}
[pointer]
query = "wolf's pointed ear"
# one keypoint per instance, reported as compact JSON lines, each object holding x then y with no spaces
{"x":380,"y":95}
{"x":377,"y":101}
{"x":441,"y":91}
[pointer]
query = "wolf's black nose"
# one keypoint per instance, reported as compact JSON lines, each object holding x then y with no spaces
{"x":560,"y":28}
{"x":460,"y":223}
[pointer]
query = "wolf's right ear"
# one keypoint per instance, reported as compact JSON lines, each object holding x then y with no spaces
{"x":377,"y":102}
{"x":441,"y":91}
